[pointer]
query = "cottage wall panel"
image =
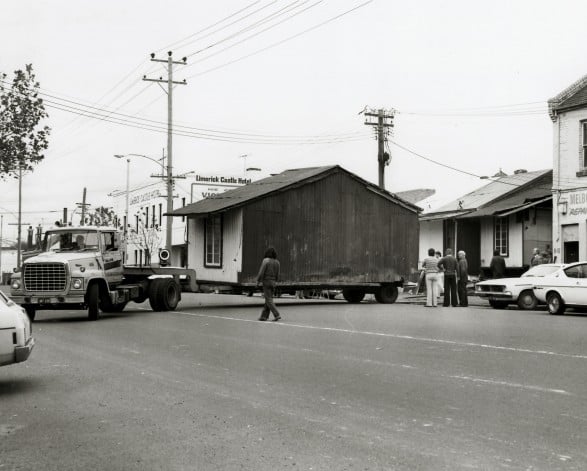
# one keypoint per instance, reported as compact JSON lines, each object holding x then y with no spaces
{"x":231,"y":248}
{"x":333,"y":229}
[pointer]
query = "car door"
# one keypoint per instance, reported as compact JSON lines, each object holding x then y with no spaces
{"x":575,"y":291}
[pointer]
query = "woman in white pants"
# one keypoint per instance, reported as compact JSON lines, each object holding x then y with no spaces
{"x":430,"y":266}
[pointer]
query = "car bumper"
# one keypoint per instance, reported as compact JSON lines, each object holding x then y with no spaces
{"x":495,"y":296}
{"x":22,"y":353}
{"x":48,"y":300}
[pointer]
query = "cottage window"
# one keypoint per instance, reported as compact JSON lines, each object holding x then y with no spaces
{"x":584,"y":142}
{"x":501,"y":236}
{"x":213,"y":241}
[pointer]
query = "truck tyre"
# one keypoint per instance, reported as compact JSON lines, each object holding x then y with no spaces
{"x":30,"y":311}
{"x":387,"y":294}
{"x":353,"y":295}
{"x":93,"y":301}
{"x":164,"y":294}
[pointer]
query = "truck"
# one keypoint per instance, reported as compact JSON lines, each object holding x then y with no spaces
{"x":83,"y":268}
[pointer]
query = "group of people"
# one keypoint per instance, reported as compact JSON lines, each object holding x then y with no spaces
{"x":456,"y":275}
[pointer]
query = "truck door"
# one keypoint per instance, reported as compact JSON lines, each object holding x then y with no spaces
{"x":112,"y":256}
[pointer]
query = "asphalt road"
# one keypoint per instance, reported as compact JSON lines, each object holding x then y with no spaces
{"x":333,"y":387}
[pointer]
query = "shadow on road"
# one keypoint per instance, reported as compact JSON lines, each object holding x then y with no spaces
{"x":9,"y":387}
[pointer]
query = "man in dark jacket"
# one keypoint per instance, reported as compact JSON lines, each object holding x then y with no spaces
{"x":449,"y":264}
{"x":462,"y":278}
{"x":268,"y":277}
{"x":497,"y":265}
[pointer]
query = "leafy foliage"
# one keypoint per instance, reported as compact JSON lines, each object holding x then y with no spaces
{"x":102,"y":216}
{"x":22,"y":140}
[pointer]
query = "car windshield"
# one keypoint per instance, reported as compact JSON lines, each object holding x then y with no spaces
{"x":74,"y":240}
{"x":541,"y":270}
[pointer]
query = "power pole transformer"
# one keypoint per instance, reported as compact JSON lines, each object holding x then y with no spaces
{"x":383,"y":123}
{"x":169,"y":177}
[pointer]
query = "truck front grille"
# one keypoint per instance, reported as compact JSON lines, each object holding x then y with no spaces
{"x":44,"y":277}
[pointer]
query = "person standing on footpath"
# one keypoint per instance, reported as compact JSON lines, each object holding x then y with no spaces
{"x":497,"y":265}
{"x":268,"y":277}
{"x":430,"y":267}
{"x":462,"y":278}
{"x":449,"y":264}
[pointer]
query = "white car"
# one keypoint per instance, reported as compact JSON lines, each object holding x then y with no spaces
{"x":16,"y":341}
{"x":566,"y":287}
{"x":501,"y":292}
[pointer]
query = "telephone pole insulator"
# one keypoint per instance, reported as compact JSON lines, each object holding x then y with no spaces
{"x":383,"y":123}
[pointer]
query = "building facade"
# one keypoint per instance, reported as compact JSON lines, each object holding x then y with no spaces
{"x":568,"y":111}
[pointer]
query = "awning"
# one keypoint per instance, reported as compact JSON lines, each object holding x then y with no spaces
{"x":445,"y":215}
{"x":524,"y":206}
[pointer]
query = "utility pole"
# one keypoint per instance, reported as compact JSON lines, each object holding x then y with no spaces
{"x":383,"y":122}
{"x":83,"y":205}
{"x":170,"y":178}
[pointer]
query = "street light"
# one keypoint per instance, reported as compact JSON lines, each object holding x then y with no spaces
{"x":169,"y":190}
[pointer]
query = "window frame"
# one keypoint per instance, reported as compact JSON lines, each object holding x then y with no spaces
{"x":218,"y":223}
{"x":583,"y":125}
{"x":501,"y":234}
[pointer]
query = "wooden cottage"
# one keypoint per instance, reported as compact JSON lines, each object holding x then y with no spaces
{"x":328,"y":225}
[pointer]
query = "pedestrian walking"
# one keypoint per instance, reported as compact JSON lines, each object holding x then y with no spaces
{"x":268,"y":277}
{"x":497,"y":265}
{"x":440,"y":280}
{"x":462,"y":278}
{"x":430,"y":267}
{"x":449,"y":264}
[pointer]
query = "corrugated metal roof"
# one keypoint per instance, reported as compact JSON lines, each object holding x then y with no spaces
{"x":261,"y":188}
{"x":495,"y":190}
{"x":572,"y":96}
{"x":507,"y":207}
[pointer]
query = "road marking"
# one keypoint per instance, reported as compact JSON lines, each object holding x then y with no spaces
{"x":395,"y":336}
{"x":511,"y":385}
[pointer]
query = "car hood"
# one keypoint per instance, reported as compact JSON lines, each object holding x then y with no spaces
{"x":57,"y":257}
{"x":510,"y":281}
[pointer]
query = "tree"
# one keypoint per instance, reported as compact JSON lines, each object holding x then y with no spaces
{"x":102,"y":216}
{"x":145,"y":238}
{"x":22,"y":139}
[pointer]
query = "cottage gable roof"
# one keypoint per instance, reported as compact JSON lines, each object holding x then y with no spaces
{"x":280,"y":182}
{"x":503,"y":193}
{"x":573,"y":96}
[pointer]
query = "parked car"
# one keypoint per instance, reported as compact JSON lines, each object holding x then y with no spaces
{"x":566,"y":287}
{"x":16,"y":341}
{"x":501,"y":292}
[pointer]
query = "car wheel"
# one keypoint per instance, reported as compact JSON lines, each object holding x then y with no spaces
{"x":386,"y":294}
{"x":556,"y":306}
{"x":353,"y":296}
{"x":164,"y":294}
{"x":498,"y":304}
{"x":527,"y":300}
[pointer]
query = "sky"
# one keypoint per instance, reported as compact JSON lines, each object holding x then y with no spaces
{"x":284,"y":82}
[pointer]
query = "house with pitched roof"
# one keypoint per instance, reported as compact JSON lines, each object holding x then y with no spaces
{"x":511,"y":214}
{"x":326,"y":223}
{"x":568,"y":112}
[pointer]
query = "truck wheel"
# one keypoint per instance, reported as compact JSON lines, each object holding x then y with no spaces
{"x":93,"y":301}
{"x":164,"y":294}
{"x":353,"y":295}
{"x":30,"y":311}
{"x":387,"y":294}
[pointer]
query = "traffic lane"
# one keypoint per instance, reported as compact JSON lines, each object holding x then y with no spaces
{"x":349,"y":395}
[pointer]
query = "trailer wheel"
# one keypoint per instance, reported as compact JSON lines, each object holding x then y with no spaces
{"x":164,"y":294}
{"x":387,"y":294}
{"x":93,"y":301}
{"x":30,"y":311}
{"x":353,"y":295}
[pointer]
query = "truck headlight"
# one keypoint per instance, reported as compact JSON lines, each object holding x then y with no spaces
{"x":77,"y":283}
{"x":15,"y":284}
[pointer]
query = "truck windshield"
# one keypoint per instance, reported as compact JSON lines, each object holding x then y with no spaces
{"x":75,"y":240}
